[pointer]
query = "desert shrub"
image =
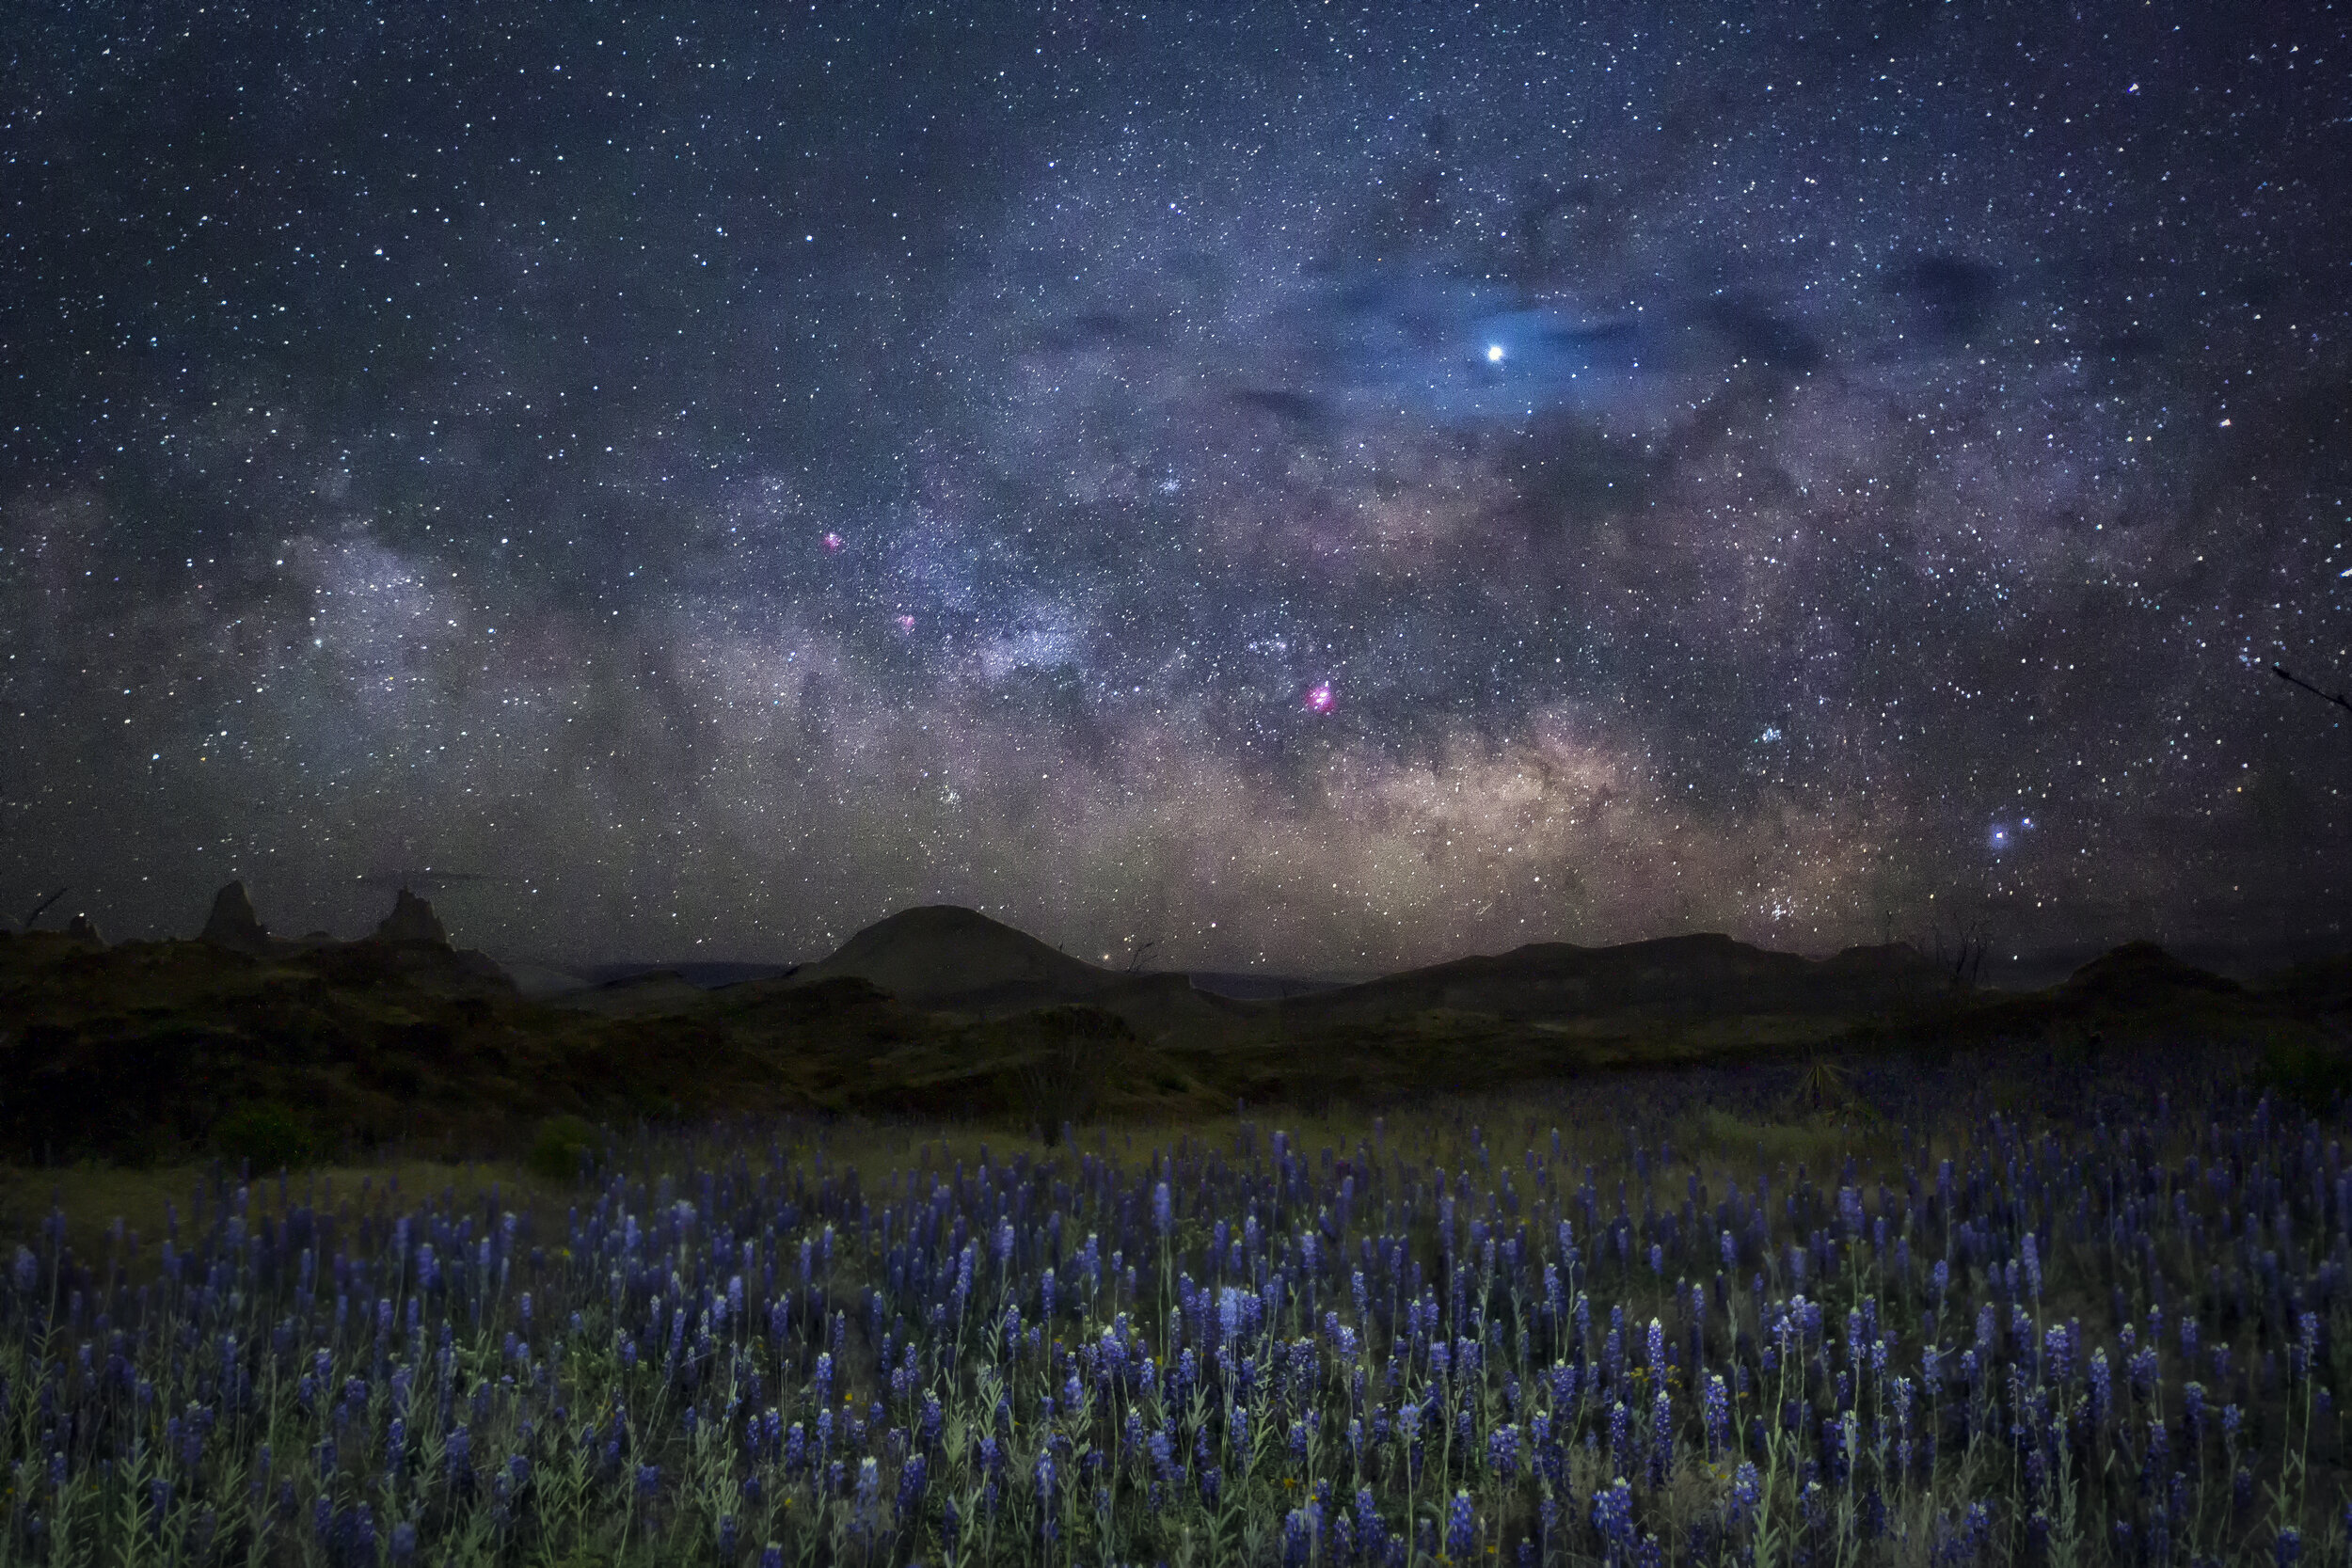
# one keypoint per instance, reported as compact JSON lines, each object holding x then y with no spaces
{"x":265,"y":1134}
{"x":2313,"y":1075}
{"x":563,"y":1145}
{"x":1067,"y":1058}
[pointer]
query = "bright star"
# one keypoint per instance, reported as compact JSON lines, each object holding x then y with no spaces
{"x":1494,"y":354}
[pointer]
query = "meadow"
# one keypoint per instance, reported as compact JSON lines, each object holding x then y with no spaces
{"x":2004,"y":1306}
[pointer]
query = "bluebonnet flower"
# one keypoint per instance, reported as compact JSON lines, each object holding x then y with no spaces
{"x":2055,"y":1350}
{"x":1461,"y":1527}
{"x":1747,"y":1493}
{"x":1163,"y":1209}
{"x":1715,"y":1412}
{"x":1163,"y":1452}
{"x":1502,"y":1451}
{"x":1368,"y":1527}
{"x":1298,"y":1539}
{"x":1849,"y":1210}
{"x":1662,"y":1428}
{"x":1613,"y":1516}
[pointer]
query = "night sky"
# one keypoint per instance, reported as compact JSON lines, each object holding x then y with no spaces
{"x":1317,"y":486}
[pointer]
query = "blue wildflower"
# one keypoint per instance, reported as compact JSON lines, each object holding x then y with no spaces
{"x":1747,"y":1492}
{"x":1503,"y":1452}
{"x":1613,"y":1516}
{"x":1461,"y":1528}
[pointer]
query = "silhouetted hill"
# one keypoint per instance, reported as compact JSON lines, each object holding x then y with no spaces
{"x":2322,"y":987}
{"x":947,"y":959}
{"x":1671,"y":978}
{"x":1169,"y":1010}
{"x":2141,"y":973}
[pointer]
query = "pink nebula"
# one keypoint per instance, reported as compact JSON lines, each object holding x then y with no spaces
{"x":831,"y":543}
{"x":1320,"y":698}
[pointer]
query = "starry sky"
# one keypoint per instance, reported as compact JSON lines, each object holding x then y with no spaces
{"x":1314,"y":487}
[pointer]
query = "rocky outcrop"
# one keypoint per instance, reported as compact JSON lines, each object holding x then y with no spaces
{"x":412,"y":920}
{"x":233,"y":925}
{"x":81,"y":929}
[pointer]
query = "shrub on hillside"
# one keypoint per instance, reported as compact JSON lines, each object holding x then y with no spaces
{"x":267,"y":1136}
{"x":565,"y":1145}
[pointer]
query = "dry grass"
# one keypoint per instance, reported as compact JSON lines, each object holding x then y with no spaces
{"x":93,"y":1197}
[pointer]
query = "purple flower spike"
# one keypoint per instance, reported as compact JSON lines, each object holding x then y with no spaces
{"x":1461,"y":1528}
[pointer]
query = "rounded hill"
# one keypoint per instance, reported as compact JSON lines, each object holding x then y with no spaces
{"x":944,"y":957}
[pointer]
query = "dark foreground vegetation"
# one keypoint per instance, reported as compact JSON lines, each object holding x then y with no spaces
{"x":154,"y":1053}
{"x":2023,"y":1304}
{"x":952,"y":1249}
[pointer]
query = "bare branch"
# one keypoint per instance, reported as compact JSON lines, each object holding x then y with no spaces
{"x":2293,"y":679}
{"x":43,"y":908}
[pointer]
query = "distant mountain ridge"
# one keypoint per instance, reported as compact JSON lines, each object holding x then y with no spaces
{"x":142,"y":1048}
{"x":1673,"y":977}
{"x":947,"y":959}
